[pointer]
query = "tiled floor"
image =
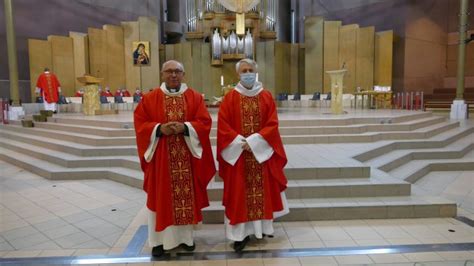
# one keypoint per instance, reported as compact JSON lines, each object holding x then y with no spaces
{"x":42,"y":218}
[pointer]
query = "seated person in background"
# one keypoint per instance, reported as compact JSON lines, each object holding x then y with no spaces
{"x":103,"y":99}
{"x":107,"y":92}
{"x":137,"y":96}
{"x":126,"y":93}
{"x":62,"y":99}
{"x":118,"y":92}
{"x":79,"y":93}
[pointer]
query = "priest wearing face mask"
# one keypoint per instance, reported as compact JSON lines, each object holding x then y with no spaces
{"x":251,"y":159}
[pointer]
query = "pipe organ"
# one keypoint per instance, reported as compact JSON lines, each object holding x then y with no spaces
{"x":231,"y":26}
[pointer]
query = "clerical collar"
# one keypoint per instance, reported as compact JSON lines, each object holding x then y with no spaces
{"x":170,"y":92}
{"x":255,"y":90}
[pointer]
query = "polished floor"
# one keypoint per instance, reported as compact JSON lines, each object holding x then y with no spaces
{"x":99,"y":222}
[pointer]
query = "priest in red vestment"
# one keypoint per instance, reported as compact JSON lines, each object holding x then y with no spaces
{"x":172,"y":126}
{"x":107,"y":92}
{"x":49,"y":88}
{"x":251,"y":159}
{"x":126,"y":93}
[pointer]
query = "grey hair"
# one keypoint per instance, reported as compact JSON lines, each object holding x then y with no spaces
{"x":180,"y":66}
{"x":247,"y":61}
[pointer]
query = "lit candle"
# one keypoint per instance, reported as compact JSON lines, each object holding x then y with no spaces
{"x":257,"y":77}
{"x":222,"y":80}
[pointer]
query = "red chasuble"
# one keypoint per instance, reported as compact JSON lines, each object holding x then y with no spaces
{"x":251,"y":190}
{"x":49,"y":84}
{"x":175,"y":181}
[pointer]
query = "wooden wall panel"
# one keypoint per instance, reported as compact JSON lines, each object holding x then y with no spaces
{"x":149,"y":31}
{"x":81,"y":56}
{"x":216,"y":73}
{"x":187,"y":60}
{"x":39,"y":52}
{"x":178,"y":52}
{"x":131,"y":33}
{"x":229,"y":73}
{"x":98,"y":55}
{"x":294,"y":68}
{"x":282,"y":67}
{"x":365,"y":58}
{"x":208,"y":87}
{"x":383,"y":58}
{"x":301,"y":73}
{"x":196,"y":51}
{"x":347,"y":54}
{"x":62,"y":57}
{"x":262,"y":64}
{"x":169,"y":52}
{"x":115,"y":57}
{"x":280,"y":79}
{"x":331,"y":51}
{"x":270,"y":74}
{"x":314,"y":37}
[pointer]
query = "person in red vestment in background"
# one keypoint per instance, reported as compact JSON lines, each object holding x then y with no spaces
{"x":79,"y":93}
{"x":137,"y":95}
{"x":172,"y":127}
{"x":126,"y":93}
{"x":118,"y":92}
{"x":49,"y":88}
{"x":107,"y":92}
{"x":251,"y":159}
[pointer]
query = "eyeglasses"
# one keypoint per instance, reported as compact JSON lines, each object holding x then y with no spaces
{"x":173,"y":71}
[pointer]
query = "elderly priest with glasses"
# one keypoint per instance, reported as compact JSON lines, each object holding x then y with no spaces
{"x":172,"y":127}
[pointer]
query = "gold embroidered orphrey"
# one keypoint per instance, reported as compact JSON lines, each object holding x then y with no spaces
{"x":179,"y":164}
{"x":250,"y":113}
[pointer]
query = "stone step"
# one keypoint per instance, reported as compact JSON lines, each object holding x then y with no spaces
{"x":417,"y":169}
{"x":69,"y":160}
{"x":313,"y":130}
{"x":49,"y":170}
{"x":356,"y":129}
{"x":423,"y":133}
{"x":127,"y":121}
{"x":375,"y":186}
{"x":68,"y":147}
{"x":354,"y":208}
{"x":437,"y":141}
{"x":343,"y":188}
{"x":397,"y":158}
{"x":90,"y":130}
{"x":87,"y":139}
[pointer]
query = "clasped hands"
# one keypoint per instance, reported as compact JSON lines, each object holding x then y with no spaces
{"x":172,"y":128}
{"x":246,"y":146}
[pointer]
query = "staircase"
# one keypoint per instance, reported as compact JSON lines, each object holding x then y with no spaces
{"x":347,"y":168}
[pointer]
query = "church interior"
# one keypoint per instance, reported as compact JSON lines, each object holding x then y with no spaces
{"x":375,"y":100}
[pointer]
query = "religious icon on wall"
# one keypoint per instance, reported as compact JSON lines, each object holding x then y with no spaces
{"x":141,"y":53}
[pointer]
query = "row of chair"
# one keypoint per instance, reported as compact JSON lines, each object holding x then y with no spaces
{"x":297,"y":97}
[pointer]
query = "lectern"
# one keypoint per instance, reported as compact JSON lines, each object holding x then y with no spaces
{"x":90,"y":98}
{"x":337,"y":83}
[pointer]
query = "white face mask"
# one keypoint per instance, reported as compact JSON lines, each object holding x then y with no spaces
{"x":248,"y":79}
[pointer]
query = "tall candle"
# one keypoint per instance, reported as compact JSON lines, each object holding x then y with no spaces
{"x":222,"y":80}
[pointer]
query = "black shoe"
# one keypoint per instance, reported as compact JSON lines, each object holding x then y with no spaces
{"x":188,"y":248}
{"x":158,"y":251}
{"x":269,"y":236}
{"x":240,"y":245}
